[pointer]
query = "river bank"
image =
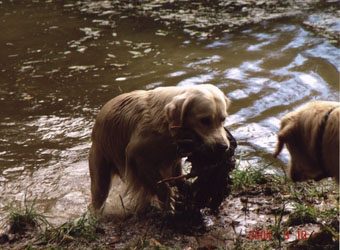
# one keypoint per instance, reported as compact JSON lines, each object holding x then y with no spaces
{"x":263,"y":212}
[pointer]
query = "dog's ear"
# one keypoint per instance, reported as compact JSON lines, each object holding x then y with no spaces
{"x":175,"y":112}
{"x":283,"y":136}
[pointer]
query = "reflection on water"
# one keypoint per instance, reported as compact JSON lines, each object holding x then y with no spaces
{"x":59,"y":67}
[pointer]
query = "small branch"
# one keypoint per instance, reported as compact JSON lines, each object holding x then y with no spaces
{"x":122,"y":202}
{"x":173,"y":178}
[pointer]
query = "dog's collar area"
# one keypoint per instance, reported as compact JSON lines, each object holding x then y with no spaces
{"x":318,"y":146}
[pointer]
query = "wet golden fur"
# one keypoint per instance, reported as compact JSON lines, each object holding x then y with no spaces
{"x":299,"y":131}
{"x":133,"y":138}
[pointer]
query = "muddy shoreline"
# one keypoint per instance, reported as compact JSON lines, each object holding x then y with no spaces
{"x":262,"y":212}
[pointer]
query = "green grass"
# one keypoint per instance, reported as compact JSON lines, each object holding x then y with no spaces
{"x":330,"y":212}
{"x":22,"y":219}
{"x":243,"y":179}
{"x":302,"y":214}
{"x":27,"y":218}
{"x":84,"y":228}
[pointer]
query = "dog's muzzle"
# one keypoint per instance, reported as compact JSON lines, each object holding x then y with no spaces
{"x":188,"y":141}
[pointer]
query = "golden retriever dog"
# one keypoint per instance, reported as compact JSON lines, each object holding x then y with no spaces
{"x":311,"y":134}
{"x":134,"y":137}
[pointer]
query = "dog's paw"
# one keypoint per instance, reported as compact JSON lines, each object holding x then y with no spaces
{"x":98,"y":213}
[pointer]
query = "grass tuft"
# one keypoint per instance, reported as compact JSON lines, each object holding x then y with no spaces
{"x":21,"y":220}
{"x":243,"y":179}
{"x":302,"y":215}
{"x":85,"y":228}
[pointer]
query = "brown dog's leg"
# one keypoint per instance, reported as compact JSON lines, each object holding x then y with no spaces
{"x":100,"y":173}
{"x":147,"y":181}
{"x":165,"y":196}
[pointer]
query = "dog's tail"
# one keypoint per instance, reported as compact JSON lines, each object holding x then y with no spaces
{"x":282,"y":138}
{"x":279,"y":147}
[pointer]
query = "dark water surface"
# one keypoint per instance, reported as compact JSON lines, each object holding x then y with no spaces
{"x":58,"y":67}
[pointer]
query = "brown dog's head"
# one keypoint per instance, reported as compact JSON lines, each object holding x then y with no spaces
{"x":203,"y":109}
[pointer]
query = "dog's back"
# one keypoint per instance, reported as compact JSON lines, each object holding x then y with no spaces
{"x":331,"y":143}
{"x":112,"y":130}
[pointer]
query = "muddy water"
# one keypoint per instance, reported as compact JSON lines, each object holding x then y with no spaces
{"x":58,"y":67}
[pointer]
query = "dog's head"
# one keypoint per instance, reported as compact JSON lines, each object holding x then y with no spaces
{"x":203,"y":109}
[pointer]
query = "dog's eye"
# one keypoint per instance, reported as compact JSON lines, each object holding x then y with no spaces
{"x":206,"y":121}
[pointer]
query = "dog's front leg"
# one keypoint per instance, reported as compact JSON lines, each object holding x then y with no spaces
{"x":145,"y":159}
{"x":165,"y":197}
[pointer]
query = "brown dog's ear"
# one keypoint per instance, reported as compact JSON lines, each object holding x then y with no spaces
{"x":282,"y":137}
{"x":175,"y":112}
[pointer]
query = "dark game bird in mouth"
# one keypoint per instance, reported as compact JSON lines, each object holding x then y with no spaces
{"x":210,"y":166}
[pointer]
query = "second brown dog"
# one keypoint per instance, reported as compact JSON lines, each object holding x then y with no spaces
{"x":311,"y":134}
